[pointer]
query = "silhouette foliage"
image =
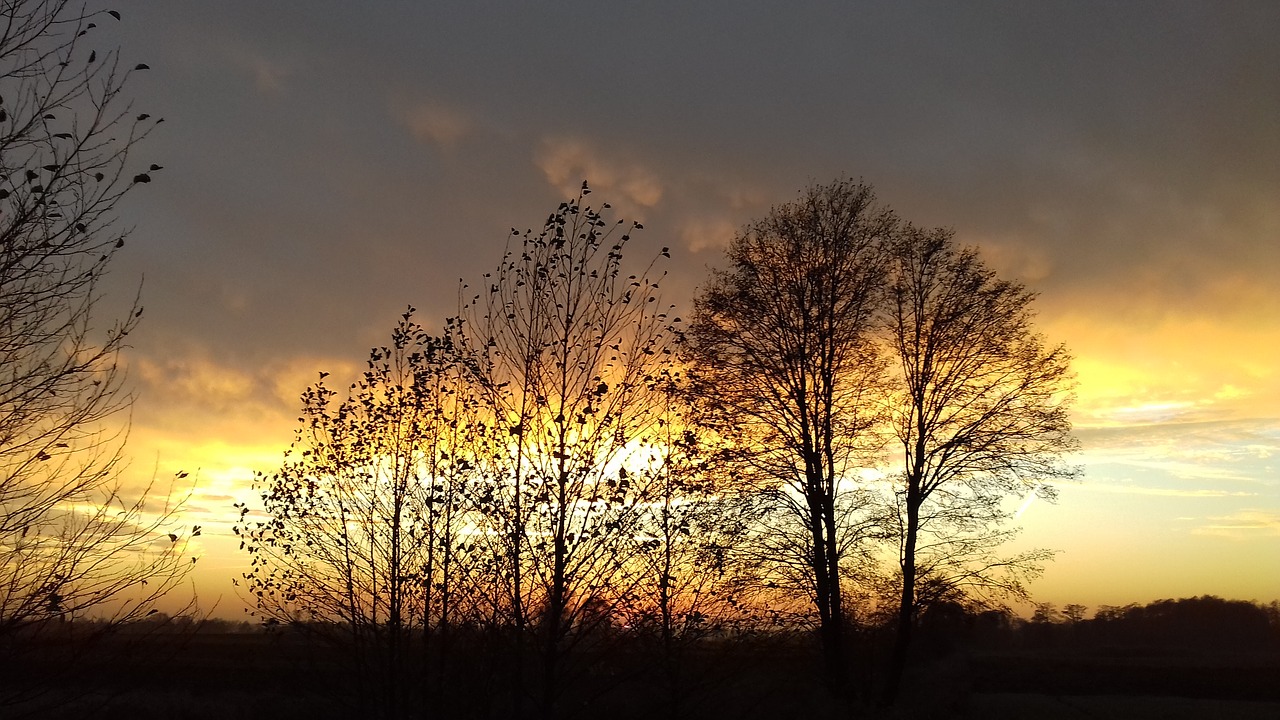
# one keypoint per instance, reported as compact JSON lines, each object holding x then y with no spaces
{"x":74,"y":541}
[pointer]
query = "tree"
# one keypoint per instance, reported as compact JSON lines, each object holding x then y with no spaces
{"x":362,"y":536}
{"x":783,"y":346}
{"x":980,"y":409}
{"x":693,"y":581}
{"x":1074,"y":613}
{"x":75,"y":541}
{"x":566,"y":351}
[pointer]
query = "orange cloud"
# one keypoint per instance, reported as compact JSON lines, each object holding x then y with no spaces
{"x":436,"y":124}
{"x":1173,"y":368}
{"x":566,"y":162}
{"x":711,"y":233}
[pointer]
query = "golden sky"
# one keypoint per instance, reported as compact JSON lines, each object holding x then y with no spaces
{"x":325,"y":168}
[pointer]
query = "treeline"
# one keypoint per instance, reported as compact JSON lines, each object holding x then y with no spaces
{"x":1195,"y":624}
{"x":1202,"y":647}
{"x":824,"y":445}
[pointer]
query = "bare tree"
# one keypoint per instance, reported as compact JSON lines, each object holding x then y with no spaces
{"x":980,"y":412}
{"x":694,"y":583}
{"x":75,"y":541}
{"x":362,"y":534}
{"x":566,"y":350}
{"x":783,"y":343}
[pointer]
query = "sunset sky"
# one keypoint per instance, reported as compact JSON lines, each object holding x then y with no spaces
{"x":329,"y":163}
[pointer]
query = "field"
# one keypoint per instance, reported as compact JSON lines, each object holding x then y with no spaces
{"x":238,"y":675}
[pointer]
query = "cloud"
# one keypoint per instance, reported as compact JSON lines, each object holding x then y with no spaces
{"x":195,"y":381}
{"x":1136,"y":365}
{"x":707,"y":233}
{"x":1015,"y":259}
{"x":268,"y":75}
{"x":566,"y":162}
{"x":1242,"y":524}
{"x":436,"y":124}
{"x":1212,"y":440}
{"x":1114,"y":489}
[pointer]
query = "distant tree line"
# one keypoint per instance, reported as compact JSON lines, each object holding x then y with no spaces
{"x":569,"y":465}
{"x":1200,"y":623}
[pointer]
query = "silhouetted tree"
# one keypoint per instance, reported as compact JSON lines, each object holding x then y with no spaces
{"x":363,"y":530}
{"x":783,"y":345}
{"x":693,"y":582}
{"x":567,"y":351}
{"x":1074,"y":612}
{"x":958,"y":554}
{"x":980,"y":409}
{"x":74,"y":540}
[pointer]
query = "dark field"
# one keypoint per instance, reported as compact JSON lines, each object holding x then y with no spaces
{"x":223,"y":675}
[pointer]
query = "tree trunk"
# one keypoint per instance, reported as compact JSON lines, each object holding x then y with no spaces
{"x":837,"y":674}
{"x":906,"y":609}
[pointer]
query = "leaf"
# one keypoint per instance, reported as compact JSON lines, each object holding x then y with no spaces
{"x":113,"y":14}
{"x":143,"y":116}
{"x":155,"y":167}
{"x":142,"y":66}
{"x":142,"y":178}
{"x":173,"y":538}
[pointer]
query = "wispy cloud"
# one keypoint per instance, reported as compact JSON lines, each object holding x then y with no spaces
{"x":1213,"y":440}
{"x":707,"y":233}
{"x":1243,"y":524}
{"x":435,"y":123}
{"x":268,"y":74}
{"x":567,"y":161}
{"x":1013,"y":257}
{"x":1115,"y":489}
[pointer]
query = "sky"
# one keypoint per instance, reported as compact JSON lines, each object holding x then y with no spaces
{"x":327,"y":164}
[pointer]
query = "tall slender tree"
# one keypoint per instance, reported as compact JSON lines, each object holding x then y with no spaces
{"x":783,"y":345}
{"x":695,"y":581}
{"x":566,"y":350}
{"x":980,"y":406}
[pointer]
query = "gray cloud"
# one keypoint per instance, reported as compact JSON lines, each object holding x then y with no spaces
{"x":328,"y":164}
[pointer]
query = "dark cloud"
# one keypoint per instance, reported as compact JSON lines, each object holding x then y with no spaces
{"x":329,"y":163}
